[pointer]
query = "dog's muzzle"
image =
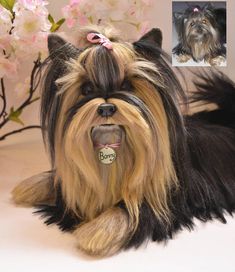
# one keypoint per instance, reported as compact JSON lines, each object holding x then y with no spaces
{"x":198,"y":32}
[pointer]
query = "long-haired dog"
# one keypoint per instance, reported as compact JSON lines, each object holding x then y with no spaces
{"x":127,"y":166}
{"x":201,"y":34}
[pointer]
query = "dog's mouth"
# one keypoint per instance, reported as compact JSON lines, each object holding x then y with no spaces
{"x":107,"y":141}
{"x":107,"y":134}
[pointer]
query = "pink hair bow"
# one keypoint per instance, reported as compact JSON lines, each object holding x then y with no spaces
{"x":101,"y":39}
{"x":195,"y":10}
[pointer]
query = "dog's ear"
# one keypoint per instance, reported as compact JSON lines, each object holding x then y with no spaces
{"x":177,"y":16}
{"x":208,"y":6}
{"x":149,"y":45}
{"x":154,"y":37}
{"x":58,"y":47}
{"x":55,"y":42}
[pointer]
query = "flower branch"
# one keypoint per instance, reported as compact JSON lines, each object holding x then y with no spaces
{"x":17,"y":131}
{"x":14,"y":114}
{"x":3,"y":97}
{"x":24,"y":27}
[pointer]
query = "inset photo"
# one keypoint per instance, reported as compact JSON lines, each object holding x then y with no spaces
{"x":199,"y":33}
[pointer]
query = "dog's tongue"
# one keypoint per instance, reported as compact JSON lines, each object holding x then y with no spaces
{"x":106,"y":135}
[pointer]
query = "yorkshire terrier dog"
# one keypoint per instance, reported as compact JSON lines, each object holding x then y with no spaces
{"x":201,"y":34}
{"x":127,"y":165}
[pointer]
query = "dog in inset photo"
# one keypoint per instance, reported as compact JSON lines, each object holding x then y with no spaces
{"x":127,"y":166}
{"x":201,"y":31}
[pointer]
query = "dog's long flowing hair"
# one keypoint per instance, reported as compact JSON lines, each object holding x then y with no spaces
{"x":144,"y":169}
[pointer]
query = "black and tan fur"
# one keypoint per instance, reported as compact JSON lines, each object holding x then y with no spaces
{"x":168,"y":168}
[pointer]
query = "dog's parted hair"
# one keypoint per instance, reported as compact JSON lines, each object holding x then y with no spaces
{"x":168,"y":167}
{"x":201,"y":33}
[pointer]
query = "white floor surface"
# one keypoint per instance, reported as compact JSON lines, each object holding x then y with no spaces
{"x":27,"y":245}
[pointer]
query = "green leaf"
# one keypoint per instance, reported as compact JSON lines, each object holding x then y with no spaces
{"x":8,"y":4}
{"x":56,"y":26}
{"x":90,"y":19}
{"x":14,"y":116}
{"x":50,"y":18}
{"x":61,"y":21}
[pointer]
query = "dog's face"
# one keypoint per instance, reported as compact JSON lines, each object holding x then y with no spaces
{"x":104,"y":112}
{"x":200,"y":27}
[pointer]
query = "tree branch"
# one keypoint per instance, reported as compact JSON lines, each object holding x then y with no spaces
{"x":17,"y":131}
{"x":3,"y":96}
{"x":4,"y":116}
{"x":32,"y":90}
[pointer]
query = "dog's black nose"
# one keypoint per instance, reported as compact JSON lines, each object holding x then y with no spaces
{"x":106,"y":109}
{"x":199,"y":29}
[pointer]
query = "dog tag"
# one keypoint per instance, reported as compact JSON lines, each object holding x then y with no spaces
{"x":107,"y":155}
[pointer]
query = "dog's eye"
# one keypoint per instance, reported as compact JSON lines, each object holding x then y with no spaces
{"x":126,"y":85}
{"x":192,"y":24}
{"x":204,"y":21}
{"x":87,"y":88}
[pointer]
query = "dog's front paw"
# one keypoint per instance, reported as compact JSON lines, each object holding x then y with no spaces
{"x":183,"y":58}
{"x":217,"y":61}
{"x":36,"y":190}
{"x":104,"y":235}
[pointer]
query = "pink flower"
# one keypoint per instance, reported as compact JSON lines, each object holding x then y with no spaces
{"x":81,"y":12}
{"x":22,"y":88}
{"x":70,"y":22}
{"x":71,"y":12}
{"x":5,"y":43}
{"x":32,"y":4}
{"x":120,"y":12}
{"x":8,"y":67}
{"x":5,"y":21}
{"x":25,"y":48}
{"x":36,"y":6}
{"x":27,"y":24}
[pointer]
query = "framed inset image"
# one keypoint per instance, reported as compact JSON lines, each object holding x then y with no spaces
{"x":199,"y":33}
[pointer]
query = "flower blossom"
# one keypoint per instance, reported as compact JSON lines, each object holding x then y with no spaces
{"x":27,"y":24}
{"x":122,"y":12}
{"x":8,"y":67}
{"x":5,"y":21}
